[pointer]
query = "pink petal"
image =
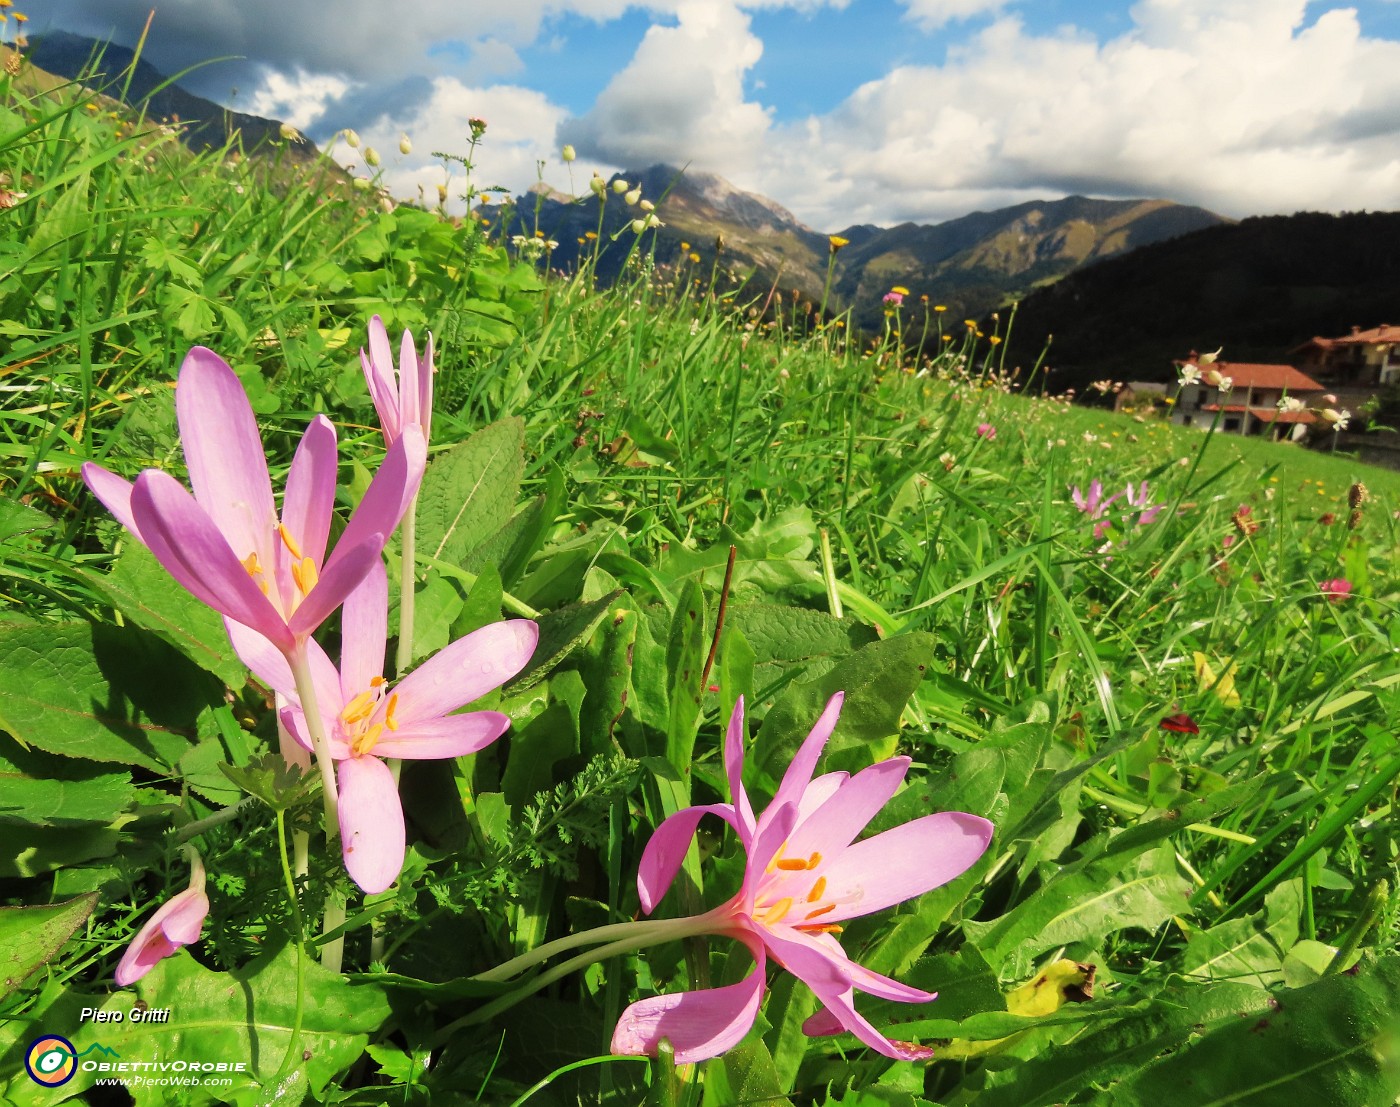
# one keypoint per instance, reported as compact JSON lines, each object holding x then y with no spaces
{"x":310,"y":496}
{"x":364,"y":629}
{"x":293,"y":751}
{"x":665,"y":851}
{"x":115,"y":494}
{"x":835,"y":824}
{"x":734,"y":769}
{"x":378,"y":366}
{"x":450,"y":736}
{"x":903,"y":863}
{"x":265,"y":660}
{"x":371,"y":823}
{"x":195,"y":552}
{"x":829,"y":976}
{"x":177,"y":923}
{"x":425,"y":387}
{"x":345,"y":570}
{"x":388,"y":494}
{"x":768,"y":839}
{"x":291,"y":717}
{"x":699,"y":1025}
{"x":228,"y":470}
{"x":466,"y":670}
{"x":410,"y":409}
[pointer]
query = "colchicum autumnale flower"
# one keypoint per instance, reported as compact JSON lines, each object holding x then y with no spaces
{"x":226,"y":543}
{"x":177,"y":922}
{"x":366,"y":719}
{"x":805,"y":874}
{"x":402,"y":395}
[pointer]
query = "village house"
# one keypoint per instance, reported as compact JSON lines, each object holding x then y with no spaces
{"x":1362,"y":359}
{"x":1245,"y":396}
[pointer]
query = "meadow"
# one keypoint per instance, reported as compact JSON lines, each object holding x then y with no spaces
{"x":1166,"y":711}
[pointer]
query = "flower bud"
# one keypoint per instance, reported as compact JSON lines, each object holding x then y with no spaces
{"x":620,"y":185}
{"x":598,"y":185}
{"x":568,"y":153}
{"x":405,"y":146}
{"x":352,"y":138}
{"x":477,"y":126}
{"x":647,"y":205}
{"x":633,"y":196}
{"x":371,"y":157}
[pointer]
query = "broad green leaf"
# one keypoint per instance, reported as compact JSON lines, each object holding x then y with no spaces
{"x":17,"y":519}
{"x":787,"y":639}
{"x":1336,"y":1041}
{"x":30,"y":851}
{"x":245,"y":1015}
{"x":100,"y":693}
{"x":548,"y":738}
{"x":561,"y":632}
{"x":878,"y":680}
{"x":39,"y":789}
{"x":469,"y":491}
{"x":30,"y":936}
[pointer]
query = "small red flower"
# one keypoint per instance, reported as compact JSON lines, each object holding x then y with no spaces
{"x":1180,"y":724}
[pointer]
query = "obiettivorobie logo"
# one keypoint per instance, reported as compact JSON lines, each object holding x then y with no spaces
{"x":52,"y":1060}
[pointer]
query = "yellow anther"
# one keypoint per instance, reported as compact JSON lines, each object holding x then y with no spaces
{"x":389,"y":719}
{"x":792,"y":864}
{"x":359,"y":708}
{"x":820,"y":911}
{"x":814,"y":860}
{"x":776,"y":912}
{"x":365,"y":742}
{"x":817,"y":889}
{"x":821,"y":928}
{"x":251,"y":564}
{"x":375,"y":682}
{"x":289,"y":541}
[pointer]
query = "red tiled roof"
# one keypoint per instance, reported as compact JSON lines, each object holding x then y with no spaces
{"x":1251,"y":375}
{"x":1264,"y":414}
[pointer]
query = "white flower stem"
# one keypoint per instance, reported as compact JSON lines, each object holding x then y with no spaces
{"x":333,"y":952}
{"x":637,"y":935}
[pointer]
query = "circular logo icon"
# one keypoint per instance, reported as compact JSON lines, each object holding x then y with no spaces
{"x":51,"y":1061}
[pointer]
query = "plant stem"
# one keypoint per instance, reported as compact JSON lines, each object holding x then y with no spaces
{"x":199,"y":826}
{"x":295,"y":1041}
{"x":652,"y":932}
{"x":333,"y":952}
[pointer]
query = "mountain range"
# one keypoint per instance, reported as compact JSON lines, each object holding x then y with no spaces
{"x":969,"y":265}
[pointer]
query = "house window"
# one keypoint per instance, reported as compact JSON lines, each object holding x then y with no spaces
{"x":1232,"y":424}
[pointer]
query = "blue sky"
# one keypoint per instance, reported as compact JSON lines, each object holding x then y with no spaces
{"x":842,"y":110}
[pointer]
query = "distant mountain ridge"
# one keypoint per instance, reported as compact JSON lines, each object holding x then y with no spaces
{"x":1259,"y":288}
{"x":969,"y":265}
{"x":207,"y":123}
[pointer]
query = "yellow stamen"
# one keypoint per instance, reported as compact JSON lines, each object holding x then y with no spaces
{"x":821,"y":911}
{"x":814,"y":860}
{"x":359,"y":708}
{"x":826,"y":928}
{"x":792,"y":864}
{"x":389,"y":719}
{"x":289,"y":541}
{"x":251,"y":564}
{"x":776,"y":912}
{"x":309,"y":576}
{"x":817,"y":889}
{"x":365,"y":742}
{"x":375,"y":682}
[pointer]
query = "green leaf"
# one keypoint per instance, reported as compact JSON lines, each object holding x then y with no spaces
{"x":31,"y":936}
{"x":878,"y":680}
{"x":99,"y":692}
{"x":39,"y":789}
{"x":17,"y":519}
{"x":1336,"y":1041}
{"x":561,"y":632}
{"x":468,"y":492}
{"x":685,"y":662}
{"x":245,"y":1015}
{"x":539,"y":744}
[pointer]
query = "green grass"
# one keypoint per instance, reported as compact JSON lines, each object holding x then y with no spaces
{"x":943,"y":579}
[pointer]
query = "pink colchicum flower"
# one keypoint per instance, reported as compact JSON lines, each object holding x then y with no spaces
{"x":178,"y":922}
{"x":1096,"y":507}
{"x":1336,"y":590}
{"x":986,"y":430}
{"x":402,"y":396}
{"x":226,"y":544}
{"x":805,"y":875}
{"x":365,"y":719}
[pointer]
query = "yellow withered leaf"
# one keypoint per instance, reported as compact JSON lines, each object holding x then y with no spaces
{"x":1224,"y":686}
